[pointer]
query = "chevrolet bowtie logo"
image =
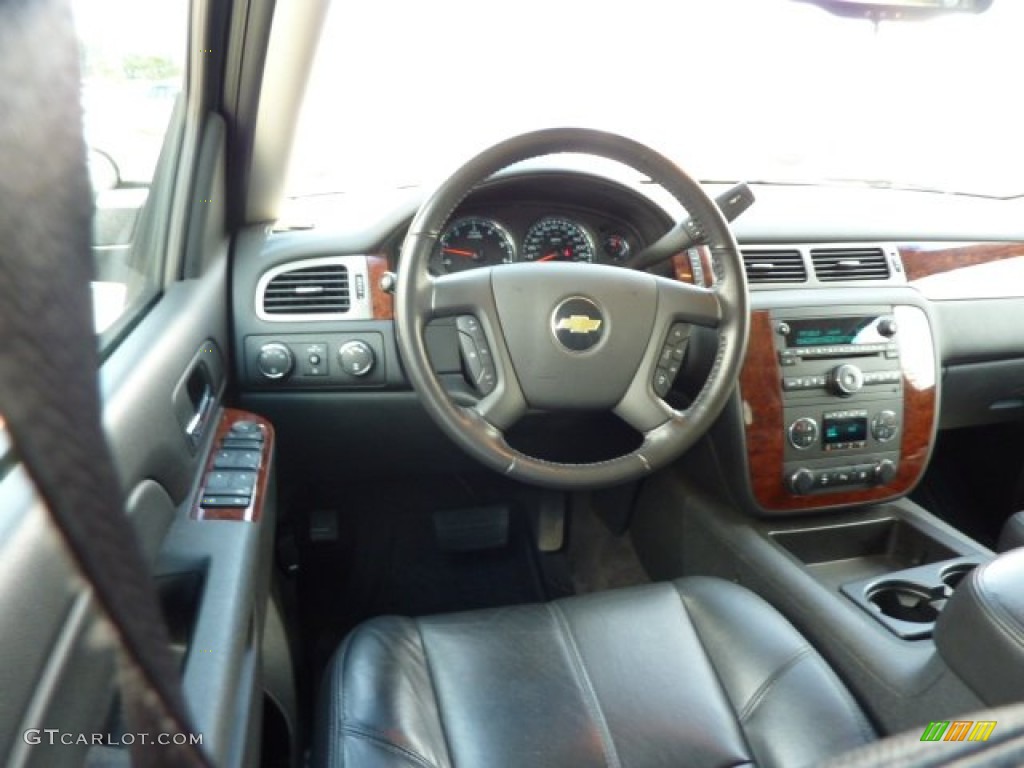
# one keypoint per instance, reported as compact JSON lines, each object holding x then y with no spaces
{"x":578,"y":324}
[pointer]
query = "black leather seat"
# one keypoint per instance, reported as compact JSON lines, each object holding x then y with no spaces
{"x":699,"y":672}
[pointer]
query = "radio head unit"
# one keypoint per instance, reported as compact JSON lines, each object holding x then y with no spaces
{"x":836,"y":336}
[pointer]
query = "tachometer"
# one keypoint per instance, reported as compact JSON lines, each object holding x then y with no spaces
{"x":472,"y":242}
{"x":556,"y":239}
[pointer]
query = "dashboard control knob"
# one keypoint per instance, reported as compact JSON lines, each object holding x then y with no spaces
{"x":801,"y":481}
{"x":884,"y":426}
{"x":847,"y":379}
{"x":275,"y":361}
{"x":887,"y":327}
{"x":803,"y":433}
{"x":783,"y":329}
{"x":356,"y":357}
{"x":885,"y":471}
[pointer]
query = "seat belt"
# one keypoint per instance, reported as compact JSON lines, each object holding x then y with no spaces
{"x":49,"y":393}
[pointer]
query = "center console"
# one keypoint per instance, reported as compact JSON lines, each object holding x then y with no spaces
{"x":838,"y":404}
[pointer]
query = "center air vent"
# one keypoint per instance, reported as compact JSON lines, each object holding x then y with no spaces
{"x":326,"y":288}
{"x":774,"y":266}
{"x":836,"y":264}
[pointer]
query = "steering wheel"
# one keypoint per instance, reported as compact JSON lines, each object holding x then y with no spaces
{"x":571,"y":336}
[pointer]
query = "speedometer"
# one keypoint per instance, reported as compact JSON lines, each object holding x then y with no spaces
{"x":556,"y":239}
{"x":472,"y":242}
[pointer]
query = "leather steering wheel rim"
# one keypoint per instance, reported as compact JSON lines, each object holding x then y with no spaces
{"x":495,"y":296}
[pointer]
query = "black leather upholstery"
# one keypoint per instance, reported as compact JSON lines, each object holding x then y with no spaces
{"x":699,"y":672}
{"x":1012,"y":535}
{"x":980,"y":632}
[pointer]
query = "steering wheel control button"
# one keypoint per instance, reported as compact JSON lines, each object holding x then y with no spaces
{"x":476,"y":354}
{"x":677,"y":334}
{"x":884,"y":426}
{"x":470,"y":355}
{"x":578,"y":324}
{"x":468,"y":324}
{"x":488,"y":381}
{"x":275,"y":361}
{"x":662,"y":382}
{"x":803,"y":433}
{"x":356,"y":358}
{"x":670,"y":359}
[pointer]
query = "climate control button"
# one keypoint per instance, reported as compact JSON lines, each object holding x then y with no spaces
{"x":884,"y":426}
{"x":803,"y":433}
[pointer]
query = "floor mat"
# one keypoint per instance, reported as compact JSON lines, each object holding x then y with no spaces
{"x":387,"y":560}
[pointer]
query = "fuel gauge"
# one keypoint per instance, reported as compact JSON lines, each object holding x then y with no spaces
{"x":617,"y":247}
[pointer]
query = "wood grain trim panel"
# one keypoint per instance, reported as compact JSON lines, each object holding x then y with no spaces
{"x":683,"y":269}
{"x":383,"y":303}
{"x":761,"y":393}
{"x":254,"y":512}
{"x":924,"y":259}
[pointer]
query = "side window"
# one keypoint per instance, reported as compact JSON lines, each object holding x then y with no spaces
{"x":133,"y":57}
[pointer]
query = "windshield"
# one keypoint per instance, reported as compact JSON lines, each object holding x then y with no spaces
{"x":756,"y":90}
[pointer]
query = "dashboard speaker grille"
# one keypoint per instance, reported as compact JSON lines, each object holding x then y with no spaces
{"x":774,"y":266}
{"x":836,"y":264}
{"x":318,"y":290}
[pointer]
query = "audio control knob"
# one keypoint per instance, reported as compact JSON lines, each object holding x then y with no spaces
{"x":801,"y":481}
{"x":356,"y":357}
{"x":887,"y":327}
{"x":275,"y":361}
{"x":847,"y":379}
{"x":885,"y":471}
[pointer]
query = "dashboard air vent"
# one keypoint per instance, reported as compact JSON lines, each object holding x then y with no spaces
{"x":317,"y":290}
{"x":836,"y":264}
{"x":774,"y":266}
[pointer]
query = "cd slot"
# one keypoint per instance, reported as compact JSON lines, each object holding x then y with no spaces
{"x":791,"y":356}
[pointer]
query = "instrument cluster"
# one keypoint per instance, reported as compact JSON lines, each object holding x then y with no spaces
{"x":476,"y":241}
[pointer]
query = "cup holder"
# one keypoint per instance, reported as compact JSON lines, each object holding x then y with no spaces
{"x":953,"y":575}
{"x":906,"y":601}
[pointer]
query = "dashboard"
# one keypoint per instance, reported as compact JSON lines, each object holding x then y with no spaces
{"x":819,"y":420}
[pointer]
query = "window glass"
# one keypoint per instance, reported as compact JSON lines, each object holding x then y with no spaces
{"x":756,"y":90}
{"x":133,"y":58}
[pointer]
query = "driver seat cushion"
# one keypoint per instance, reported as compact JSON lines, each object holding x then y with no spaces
{"x":698,"y":672}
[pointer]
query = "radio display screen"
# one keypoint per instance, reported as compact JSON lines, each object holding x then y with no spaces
{"x":845,"y":429}
{"x":833,"y":331}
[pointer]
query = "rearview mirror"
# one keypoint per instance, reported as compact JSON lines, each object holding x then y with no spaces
{"x":895,"y":10}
